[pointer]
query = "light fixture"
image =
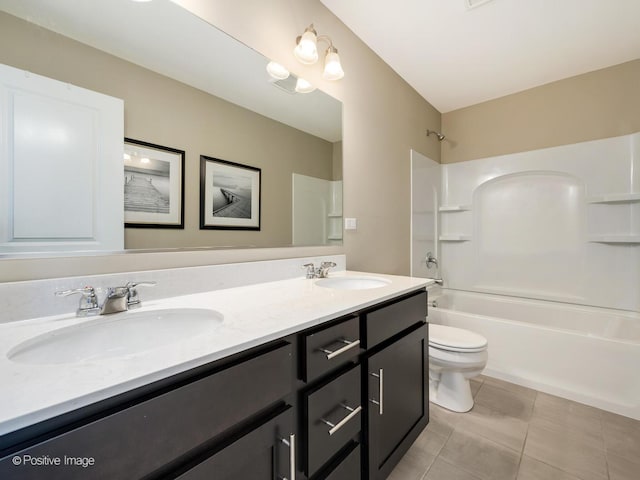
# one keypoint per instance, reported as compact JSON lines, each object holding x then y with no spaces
{"x":302,"y":86}
{"x":306,"y":51}
{"x":332,"y":67}
{"x":277,"y":71}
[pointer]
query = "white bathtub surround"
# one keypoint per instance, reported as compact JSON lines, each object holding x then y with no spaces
{"x":587,"y":354}
{"x":253,"y":314}
{"x":455,"y":357}
{"x":560,"y":224}
{"x":30,"y":299}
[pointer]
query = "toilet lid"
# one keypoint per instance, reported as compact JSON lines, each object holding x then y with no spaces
{"x":455,"y":339}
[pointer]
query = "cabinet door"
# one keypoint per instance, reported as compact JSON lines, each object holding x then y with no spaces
{"x":398,"y":400}
{"x":265,"y":453}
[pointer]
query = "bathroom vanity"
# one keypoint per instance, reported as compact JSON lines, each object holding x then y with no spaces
{"x":341,"y":393}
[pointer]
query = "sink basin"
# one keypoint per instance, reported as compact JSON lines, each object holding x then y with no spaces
{"x":352,"y":283}
{"x":116,"y":335}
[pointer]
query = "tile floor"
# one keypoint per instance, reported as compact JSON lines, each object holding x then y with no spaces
{"x":515,"y":433}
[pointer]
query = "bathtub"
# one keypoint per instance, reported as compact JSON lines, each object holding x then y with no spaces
{"x":587,"y":354}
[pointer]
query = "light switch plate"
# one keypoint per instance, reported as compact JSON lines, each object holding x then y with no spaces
{"x":350,"y":224}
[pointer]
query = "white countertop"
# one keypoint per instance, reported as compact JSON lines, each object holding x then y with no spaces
{"x":253,"y":315}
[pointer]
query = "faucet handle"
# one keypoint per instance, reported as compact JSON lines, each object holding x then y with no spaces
{"x":133,"y":300}
{"x":88,"y":302}
{"x":323,"y":271}
{"x":311,"y":270}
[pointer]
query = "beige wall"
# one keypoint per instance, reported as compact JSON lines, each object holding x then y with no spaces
{"x":383,"y":118}
{"x":165,"y":112}
{"x":600,"y":104}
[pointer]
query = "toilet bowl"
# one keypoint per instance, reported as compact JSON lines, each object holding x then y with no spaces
{"x":455,"y":356}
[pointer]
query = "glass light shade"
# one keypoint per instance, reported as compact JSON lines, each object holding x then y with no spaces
{"x":307,"y":50}
{"x":332,"y":67}
{"x":302,"y":86}
{"x":277,"y":71}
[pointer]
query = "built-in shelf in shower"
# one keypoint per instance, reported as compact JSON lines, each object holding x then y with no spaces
{"x":334,"y":214}
{"x":615,"y":198}
{"x":454,"y":208}
{"x":614,"y":239}
{"x":454,"y":238}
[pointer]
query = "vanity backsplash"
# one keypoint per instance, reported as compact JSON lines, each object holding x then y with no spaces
{"x":31,"y":299}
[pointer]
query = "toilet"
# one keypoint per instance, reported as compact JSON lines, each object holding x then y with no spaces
{"x":455,"y":356}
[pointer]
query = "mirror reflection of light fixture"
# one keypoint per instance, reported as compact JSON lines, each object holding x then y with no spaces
{"x":306,"y":51}
{"x":277,"y":71}
{"x":302,"y":86}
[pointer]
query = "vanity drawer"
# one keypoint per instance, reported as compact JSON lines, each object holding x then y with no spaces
{"x":141,"y":438}
{"x":349,"y":468}
{"x":385,"y":322}
{"x":333,"y":418}
{"x":331,"y":347}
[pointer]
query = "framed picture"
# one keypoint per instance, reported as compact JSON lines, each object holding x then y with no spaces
{"x":153,"y":185}
{"x":229,"y":195}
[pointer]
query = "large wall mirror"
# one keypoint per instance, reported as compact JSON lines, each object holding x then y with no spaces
{"x":188,"y":86}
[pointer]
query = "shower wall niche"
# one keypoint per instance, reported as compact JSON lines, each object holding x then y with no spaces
{"x":558,"y":224}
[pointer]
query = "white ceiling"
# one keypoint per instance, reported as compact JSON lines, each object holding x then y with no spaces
{"x":456,"y":57}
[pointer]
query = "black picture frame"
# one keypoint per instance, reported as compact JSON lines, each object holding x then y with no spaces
{"x":230,"y":195}
{"x":149,"y":205}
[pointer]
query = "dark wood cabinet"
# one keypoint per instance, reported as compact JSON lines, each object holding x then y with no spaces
{"x":397,"y":393}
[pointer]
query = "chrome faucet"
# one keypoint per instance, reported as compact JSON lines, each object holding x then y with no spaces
{"x":431,"y":260}
{"x":88,"y":301}
{"x":321,"y":272}
{"x":117,"y":299}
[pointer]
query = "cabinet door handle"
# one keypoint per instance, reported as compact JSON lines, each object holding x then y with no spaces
{"x":348,"y":345}
{"x":337,"y":426}
{"x":380,"y":403}
{"x":291,"y":443}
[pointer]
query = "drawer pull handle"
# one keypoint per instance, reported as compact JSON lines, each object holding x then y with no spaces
{"x":337,"y":426}
{"x":348,"y":345}
{"x":380,"y":403}
{"x":291,"y":443}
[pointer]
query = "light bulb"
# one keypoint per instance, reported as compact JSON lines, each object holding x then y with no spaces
{"x":145,"y":160}
{"x":302,"y":86}
{"x":277,"y":71}
{"x":306,"y":50}
{"x":127,"y":157}
{"x":332,"y":67}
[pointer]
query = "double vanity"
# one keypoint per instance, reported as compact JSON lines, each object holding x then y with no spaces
{"x":290,"y":379}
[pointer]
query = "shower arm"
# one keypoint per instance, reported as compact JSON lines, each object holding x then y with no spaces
{"x":437,"y":134}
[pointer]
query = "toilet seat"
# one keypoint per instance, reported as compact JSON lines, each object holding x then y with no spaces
{"x":454,"y":339}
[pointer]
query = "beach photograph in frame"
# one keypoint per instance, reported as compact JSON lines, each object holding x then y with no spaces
{"x":229,"y":195}
{"x":153,"y":185}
